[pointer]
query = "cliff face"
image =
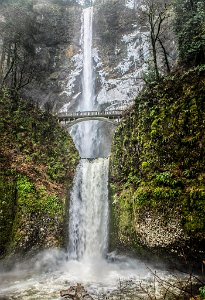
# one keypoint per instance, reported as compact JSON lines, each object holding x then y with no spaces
{"x":121,"y":55}
{"x":45,"y":36}
{"x":157,"y":168}
{"x":56,"y":43}
{"x":117,"y":59}
{"x":37,"y":162}
{"x":51,"y":36}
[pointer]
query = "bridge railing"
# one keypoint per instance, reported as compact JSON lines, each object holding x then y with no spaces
{"x":91,"y":113}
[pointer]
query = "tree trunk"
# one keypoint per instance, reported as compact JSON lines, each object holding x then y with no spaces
{"x":154,"y":53}
{"x":165,"y":56}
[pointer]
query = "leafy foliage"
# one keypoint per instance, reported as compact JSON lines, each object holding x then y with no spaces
{"x":202,"y":292}
{"x":190,"y":31}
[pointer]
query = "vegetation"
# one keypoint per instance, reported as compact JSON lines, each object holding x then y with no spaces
{"x":202,"y":292}
{"x":38,"y":158}
{"x":33,"y":36}
{"x":156,"y":17}
{"x":27,"y":135}
{"x":112,"y":20}
{"x":157,"y":163}
{"x":38,"y":161}
{"x":179,"y":20}
{"x":190,"y":31}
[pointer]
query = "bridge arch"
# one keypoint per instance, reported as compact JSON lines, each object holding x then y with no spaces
{"x":114,"y":122}
{"x":113,"y":117}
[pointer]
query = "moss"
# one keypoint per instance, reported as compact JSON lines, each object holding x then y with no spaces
{"x":37,"y":139}
{"x":38,"y":161}
{"x":30,"y":199}
{"x":7,"y":207}
{"x":38,"y":218}
{"x":158,"y":154}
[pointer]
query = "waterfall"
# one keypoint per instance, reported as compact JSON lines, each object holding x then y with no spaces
{"x":119,"y":277}
{"x":88,"y":88}
{"x":89,"y":210}
{"x":85,"y":134}
{"x":88,"y":214}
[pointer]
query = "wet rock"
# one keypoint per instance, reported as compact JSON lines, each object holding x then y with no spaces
{"x":77,"y":292}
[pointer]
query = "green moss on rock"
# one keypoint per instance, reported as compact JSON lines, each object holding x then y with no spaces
{"x":7,"y":208}
{"x":38,"y":160}
{"x":157,"y":165}
{"x":38,"y":219}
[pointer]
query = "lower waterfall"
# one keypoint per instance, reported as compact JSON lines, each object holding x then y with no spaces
{"x":88,"y":223}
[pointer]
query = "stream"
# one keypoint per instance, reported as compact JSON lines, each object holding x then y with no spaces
{"x":119,"y":277}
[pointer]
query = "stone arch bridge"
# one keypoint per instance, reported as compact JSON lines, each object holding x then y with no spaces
{"x":70,"y":119}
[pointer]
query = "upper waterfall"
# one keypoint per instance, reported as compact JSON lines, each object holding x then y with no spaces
{"x":88,"y":92}
{"x":85,"y":134}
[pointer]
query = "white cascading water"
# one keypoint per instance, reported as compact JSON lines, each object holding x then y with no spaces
{"x":89,"y":210}
{"x":89,"y":198}
{"x":88,"y":102}
{"x":85,"y":134}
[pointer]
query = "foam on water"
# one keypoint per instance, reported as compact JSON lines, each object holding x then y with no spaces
{"x":49,"y":272}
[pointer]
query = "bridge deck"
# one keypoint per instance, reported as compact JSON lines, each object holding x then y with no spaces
{"x":114,"y":114}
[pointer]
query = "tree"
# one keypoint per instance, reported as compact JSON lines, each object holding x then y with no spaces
{"x":29,"y":39}
{"x":190,"y":31}
{"x":154,"y":15}
{"x":17,"y":62}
